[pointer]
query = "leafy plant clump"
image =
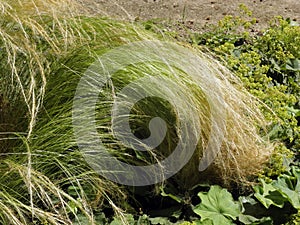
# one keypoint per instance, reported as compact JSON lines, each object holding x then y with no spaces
{"x":44,"y":179}
{"x":218,"y":206}
{"x":267,"y":63}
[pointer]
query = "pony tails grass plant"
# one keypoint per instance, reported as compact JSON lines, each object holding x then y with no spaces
{"x":44,"y":53}
{"x":34,"y":190}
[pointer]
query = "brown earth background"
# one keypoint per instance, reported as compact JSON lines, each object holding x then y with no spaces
{"x":195,"y":12}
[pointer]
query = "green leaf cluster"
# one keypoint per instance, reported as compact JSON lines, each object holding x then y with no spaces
{"x":285,"y":189}
{"x":217,"y":206}
{"x":268,"y":64}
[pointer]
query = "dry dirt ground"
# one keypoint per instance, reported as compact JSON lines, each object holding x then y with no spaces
{"x":196,"y":12}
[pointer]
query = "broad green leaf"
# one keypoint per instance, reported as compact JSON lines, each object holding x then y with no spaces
{"x":296,"y":173}
{"x":116,"y":222}
{"x":247,"y":219}
{"x":247,"y":199}
{"x":293,"y":64}
{"x":174,"y":197}
{"x":218,"y":206}
{"x":204,"y":222}
{"x":160,"y":220}
{"x":120,"y":221}
{"x":285,"y":188}
{"x":268,"y":195}
{"x":290,"y":189}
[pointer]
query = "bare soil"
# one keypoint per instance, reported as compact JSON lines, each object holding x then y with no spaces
{"x":195,"y":12}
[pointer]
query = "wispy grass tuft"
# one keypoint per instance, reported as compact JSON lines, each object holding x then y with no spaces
{"x":40,"y":164}
{"x":45,"y":47}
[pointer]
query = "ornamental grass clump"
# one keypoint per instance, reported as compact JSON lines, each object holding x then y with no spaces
{"x":46,"y":48}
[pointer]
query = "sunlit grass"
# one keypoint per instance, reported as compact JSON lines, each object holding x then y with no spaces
{"x":45,"y":49}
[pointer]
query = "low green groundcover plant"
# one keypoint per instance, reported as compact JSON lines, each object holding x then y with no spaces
{"x":46,"y":47}
{"x":268,"y":64}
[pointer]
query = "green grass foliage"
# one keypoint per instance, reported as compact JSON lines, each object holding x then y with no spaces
{"x":46,"y":47}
